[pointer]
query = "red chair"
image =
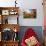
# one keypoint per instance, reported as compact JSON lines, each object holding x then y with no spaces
{"x":29,"y":33}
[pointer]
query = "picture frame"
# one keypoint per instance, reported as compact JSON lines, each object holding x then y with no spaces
{"x":30,"y":13}
{"x":12,"y":12}
{"x":5,"y":12}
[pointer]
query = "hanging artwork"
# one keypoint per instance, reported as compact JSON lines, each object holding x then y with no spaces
{"x":30,"y":13}
{"x":5,"y":12}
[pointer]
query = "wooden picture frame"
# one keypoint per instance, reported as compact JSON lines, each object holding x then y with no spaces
{"x":30,"y":13}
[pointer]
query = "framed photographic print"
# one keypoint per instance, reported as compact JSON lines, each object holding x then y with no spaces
{"x":12,"y":12}
{"x":5,"y":12}
{"x":30,"y":13}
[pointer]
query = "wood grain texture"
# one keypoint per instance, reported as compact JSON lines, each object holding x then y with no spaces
{"x":11,"y":26}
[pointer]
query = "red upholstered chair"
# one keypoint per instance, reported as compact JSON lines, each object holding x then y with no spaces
{"x":29,"y":33}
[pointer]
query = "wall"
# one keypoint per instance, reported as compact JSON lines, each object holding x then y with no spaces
{"x":38,"y":30}
{"x":7,"y":3}
{"x":12,"y":20}
{"x":27,"y":4}
{"x":32,"y":4}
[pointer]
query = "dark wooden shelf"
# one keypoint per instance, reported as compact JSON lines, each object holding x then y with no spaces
{"x":5,"y":8}
{"x":9,"y":43}
{"x":10,"y":26}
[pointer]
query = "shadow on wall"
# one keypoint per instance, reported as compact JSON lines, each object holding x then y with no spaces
{"x":37,"y":29}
